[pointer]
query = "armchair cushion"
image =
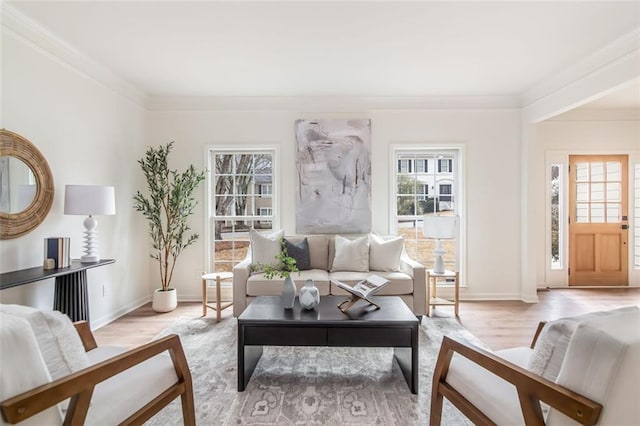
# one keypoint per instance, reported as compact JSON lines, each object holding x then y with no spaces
{"x":23,"y":367}
{"x":495,"y":397}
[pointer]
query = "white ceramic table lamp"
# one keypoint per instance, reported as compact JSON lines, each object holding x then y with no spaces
{"x":91,"y":200}
{"x":439,"y":228}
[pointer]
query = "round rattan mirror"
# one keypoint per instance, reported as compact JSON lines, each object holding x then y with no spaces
{"x":26,"y":186}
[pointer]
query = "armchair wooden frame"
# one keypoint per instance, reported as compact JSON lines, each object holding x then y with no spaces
{"x":531,"y":388}
{"x":79,"y":386}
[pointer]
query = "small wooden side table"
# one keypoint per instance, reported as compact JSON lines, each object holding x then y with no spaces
{"x":219,"y":306}
{"x":433,"y":299}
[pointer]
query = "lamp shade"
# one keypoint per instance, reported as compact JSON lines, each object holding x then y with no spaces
{"x":89,"y":200}
{"x":440,"y":227}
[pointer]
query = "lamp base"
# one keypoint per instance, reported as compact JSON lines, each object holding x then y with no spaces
{"x":438,"y":262}
{"x":90,"y":241}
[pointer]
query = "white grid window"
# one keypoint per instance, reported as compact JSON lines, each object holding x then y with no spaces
{"x":636,"y":215}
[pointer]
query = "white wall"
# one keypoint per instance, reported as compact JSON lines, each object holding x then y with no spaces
{"x":491,"y":144}
{"x":583,"y":131}
{"x":89,"y":135}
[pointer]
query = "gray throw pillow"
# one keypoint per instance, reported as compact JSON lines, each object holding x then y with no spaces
{"x":300,"y":252}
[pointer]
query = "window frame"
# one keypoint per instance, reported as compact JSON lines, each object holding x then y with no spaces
{"x":427,"y":150}
{"x":209,"y":216}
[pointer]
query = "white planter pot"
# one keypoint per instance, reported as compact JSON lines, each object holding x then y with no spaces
{"x":165,"y":301}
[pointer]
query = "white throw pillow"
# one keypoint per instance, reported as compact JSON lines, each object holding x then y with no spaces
{"x":553,"y":342}
{"x":351,"y":255}
{"x":384,"y":255}
{"x":264,"y":248}
{"x":57,"y":338}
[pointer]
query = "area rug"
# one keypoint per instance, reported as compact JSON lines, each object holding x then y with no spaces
{"x":307,"y":385}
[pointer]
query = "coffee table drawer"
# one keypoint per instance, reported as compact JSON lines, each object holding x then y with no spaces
{"x":369,"y":337}
{"x":285,"y":336}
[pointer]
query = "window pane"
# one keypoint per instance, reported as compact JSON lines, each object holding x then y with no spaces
{"x":613,"y":192}
{"x":224,"y":164}
{"x":223,"y":185}
{"x":582,"y":192}
{"x":555,"y":216}
{"x":244,"y":206}
{"x":244,"y":184}
{"x":597,"y":192}
{"x":597,"y":213}
{"x":406,"y":185}
{"x":597,"y":171}
{"x":636,"y":184}
{"x":614,"y":171}
{"x":224,"y":206}
{"x":263,"y":164}
{"x":244,"y":164}
{"x":582,"y":172}
{"x":613,"y":213}
{"x":582,"y":213}
{"x":406,"y":206}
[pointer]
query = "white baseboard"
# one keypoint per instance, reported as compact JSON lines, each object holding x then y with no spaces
{"x":106,"y":319}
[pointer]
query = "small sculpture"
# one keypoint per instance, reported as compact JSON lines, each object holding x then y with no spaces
{"x":309,"y":295}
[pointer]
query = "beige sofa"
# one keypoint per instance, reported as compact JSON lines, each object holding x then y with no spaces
{"x":408,"y":283}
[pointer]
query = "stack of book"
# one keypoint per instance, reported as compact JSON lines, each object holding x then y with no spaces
{"x":58,"y":250}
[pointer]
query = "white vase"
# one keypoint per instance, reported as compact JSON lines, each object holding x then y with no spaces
{"x":309,"y":295}
{"x":165,"y":301}
{"x":288,"y":293}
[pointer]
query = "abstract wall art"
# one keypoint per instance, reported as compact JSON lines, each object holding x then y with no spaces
{"x":333,"y":164}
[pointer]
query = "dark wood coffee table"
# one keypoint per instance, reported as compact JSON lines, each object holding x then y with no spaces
{"x":265,"y":322}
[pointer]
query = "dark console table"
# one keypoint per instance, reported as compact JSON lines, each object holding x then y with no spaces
{"x":265,"y":322}
{"x":70,"y":296}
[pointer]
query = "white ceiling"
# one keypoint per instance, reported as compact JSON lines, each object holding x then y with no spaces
{"x":419,"y":48}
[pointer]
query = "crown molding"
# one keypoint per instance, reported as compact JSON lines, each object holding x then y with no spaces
{"x":337,"y":104}
{"x":18,"y":25}
{"x":609,"y":56}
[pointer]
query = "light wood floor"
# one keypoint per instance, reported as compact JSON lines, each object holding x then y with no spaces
{"x":500,"y":324}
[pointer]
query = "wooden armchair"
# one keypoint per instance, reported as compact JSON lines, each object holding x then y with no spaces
{"x":102,"y":392}
{"x":596,"y":382}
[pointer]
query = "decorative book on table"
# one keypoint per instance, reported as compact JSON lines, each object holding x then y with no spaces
{"x":58,"y":249}
{"x":362,"y":290}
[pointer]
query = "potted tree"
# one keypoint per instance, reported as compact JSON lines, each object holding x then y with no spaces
{"x":167,"y":207}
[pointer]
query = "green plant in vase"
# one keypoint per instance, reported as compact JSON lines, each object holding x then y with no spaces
{"x":283,"y":269}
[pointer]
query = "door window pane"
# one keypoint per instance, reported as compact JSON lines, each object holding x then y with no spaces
{"x":556,"y":231}
{"x":582,"y":213}
{"x":614,"y":171}
{"x":597,"y":213}
{"x":597,"y":171}
{"x":613,"y":213}
{"x":597,"y":192}
{"x":613,"y":192}
{"x":582,"y":192}
{"x":582,"y":172}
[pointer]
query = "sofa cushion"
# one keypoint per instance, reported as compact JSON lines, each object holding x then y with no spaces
{"x":300,"y":252}
{"x":351,"y":255}
{"x":384,"y":254}
{"x":400,"y":283}
{"x":258,"y":285}
{"x":57,"y":338}
{"x":264,"y":248}
{"x":495,"y":397}
{"x":318,"y":250}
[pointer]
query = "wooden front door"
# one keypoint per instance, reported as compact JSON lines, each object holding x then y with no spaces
{"x":598,"y":253}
